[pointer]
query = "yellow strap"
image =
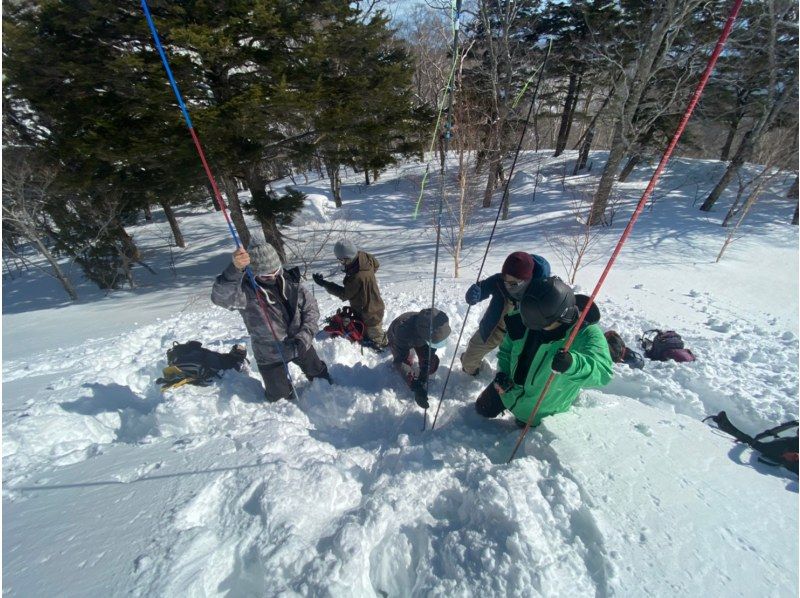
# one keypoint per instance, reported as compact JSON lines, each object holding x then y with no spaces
{"x":177,"y":384}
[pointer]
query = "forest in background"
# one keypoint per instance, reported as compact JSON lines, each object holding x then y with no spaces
{"x":93,"y":137}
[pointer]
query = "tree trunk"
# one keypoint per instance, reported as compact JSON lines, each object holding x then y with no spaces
{"x":793,"y":192}
{"x":597,"y":215}
{"x":269,"y":226}
{"x":480,"y":160}
{"x":633,"y":161}
{"x":583,"y":155}
{"x":173,"y":224}
{"x":148,"y":215}
{"x":366,"y":176}
{"x":494,"y":170}
{"x":733,"y":127}
{"x":232,"y":191}
{"x":273,"y":236}
{"x":568,"y":114}
{"x":335,"y":181}
{"x":375,"y":174}
{"x":743,"y":152}
{"x":749,"y":141}
{"x":213,"y":197}
{"x":129,"y":248}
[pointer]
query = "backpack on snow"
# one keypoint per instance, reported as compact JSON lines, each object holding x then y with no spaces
{"x":620,"y":353}
{"x":781,"y":451}
{"x":665,"y":345}
{"x":190,"y":363}
{"x":346,"y":323}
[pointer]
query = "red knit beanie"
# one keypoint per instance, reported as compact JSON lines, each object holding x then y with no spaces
{"x":519,"y":265}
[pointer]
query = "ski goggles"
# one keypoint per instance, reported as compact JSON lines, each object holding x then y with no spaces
{"x":269,"y":277}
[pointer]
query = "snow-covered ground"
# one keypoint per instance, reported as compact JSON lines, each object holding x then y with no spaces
{"x":112,"y":488}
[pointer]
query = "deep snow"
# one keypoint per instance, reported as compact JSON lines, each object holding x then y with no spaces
{"x":111,"y":487}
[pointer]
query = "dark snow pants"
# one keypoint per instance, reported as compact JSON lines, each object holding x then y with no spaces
{"x":275,"y":383}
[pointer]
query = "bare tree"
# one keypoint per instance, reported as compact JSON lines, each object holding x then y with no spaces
{"x":495,"y":65}
{"x":428,"y":34}
{"x":574,"y":243}
{"x":26,"y":187}
{"x":775,"y":35}
{"x":631,"y":108}
{"x":776,"y":159}
{"x":307,"y":244}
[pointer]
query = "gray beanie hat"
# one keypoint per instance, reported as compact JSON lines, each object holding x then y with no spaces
{"x":264,"y":259}
{"x":344,"y":249}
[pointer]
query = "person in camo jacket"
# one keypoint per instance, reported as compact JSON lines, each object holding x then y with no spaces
{"x":359,"y":288}
{"x":421,"y":334}
{"x":292,"y":310}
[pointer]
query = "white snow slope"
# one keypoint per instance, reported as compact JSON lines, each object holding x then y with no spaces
{"x":112,"y":488}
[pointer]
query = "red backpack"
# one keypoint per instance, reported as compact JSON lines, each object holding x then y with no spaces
{"x":346,"y":323}
{"x":665,"y":345}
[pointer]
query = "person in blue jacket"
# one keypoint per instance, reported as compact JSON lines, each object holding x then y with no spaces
{"x":505,"y":289}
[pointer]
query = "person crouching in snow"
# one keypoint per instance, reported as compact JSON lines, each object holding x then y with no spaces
{"x":292,"y":310}
{"x":360,"y":289}
{"x":505,"y":289}
{"x":412,"y":330}
{"x":533,"y":348}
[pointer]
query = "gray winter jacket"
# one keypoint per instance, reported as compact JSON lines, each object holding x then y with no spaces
{"x":295,"y":317}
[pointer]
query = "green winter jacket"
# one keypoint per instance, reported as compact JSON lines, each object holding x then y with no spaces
{"x":591,"y":367}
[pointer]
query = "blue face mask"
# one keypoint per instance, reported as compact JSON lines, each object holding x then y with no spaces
{"x":440,"y":344}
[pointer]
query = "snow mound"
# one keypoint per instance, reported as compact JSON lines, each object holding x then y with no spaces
{"x":316,"y":209}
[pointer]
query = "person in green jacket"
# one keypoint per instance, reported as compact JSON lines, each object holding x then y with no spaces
{"x":533,"y":348}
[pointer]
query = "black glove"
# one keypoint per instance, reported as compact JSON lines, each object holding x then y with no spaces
{"x":319,"y":279}
{"x":420,"y":394}
{"x":561,"y":361}
{"x":504,"y":381}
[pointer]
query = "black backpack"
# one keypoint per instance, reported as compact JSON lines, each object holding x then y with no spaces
{"x":665,"y":345}
{"x":780,"y":451}
{"x":190,"y":363}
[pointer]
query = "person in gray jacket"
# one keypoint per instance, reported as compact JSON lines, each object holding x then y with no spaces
{"x":292,"y":310}
{"x":421,"y":332}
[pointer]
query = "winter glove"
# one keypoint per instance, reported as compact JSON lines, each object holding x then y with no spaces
{"x":503,"y":381}
{"x":561,"y":361}
{"x":319,"y":279}
{"x":473,"y":294}
{"x":420,"y":394}
{"x":291,"y":347}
